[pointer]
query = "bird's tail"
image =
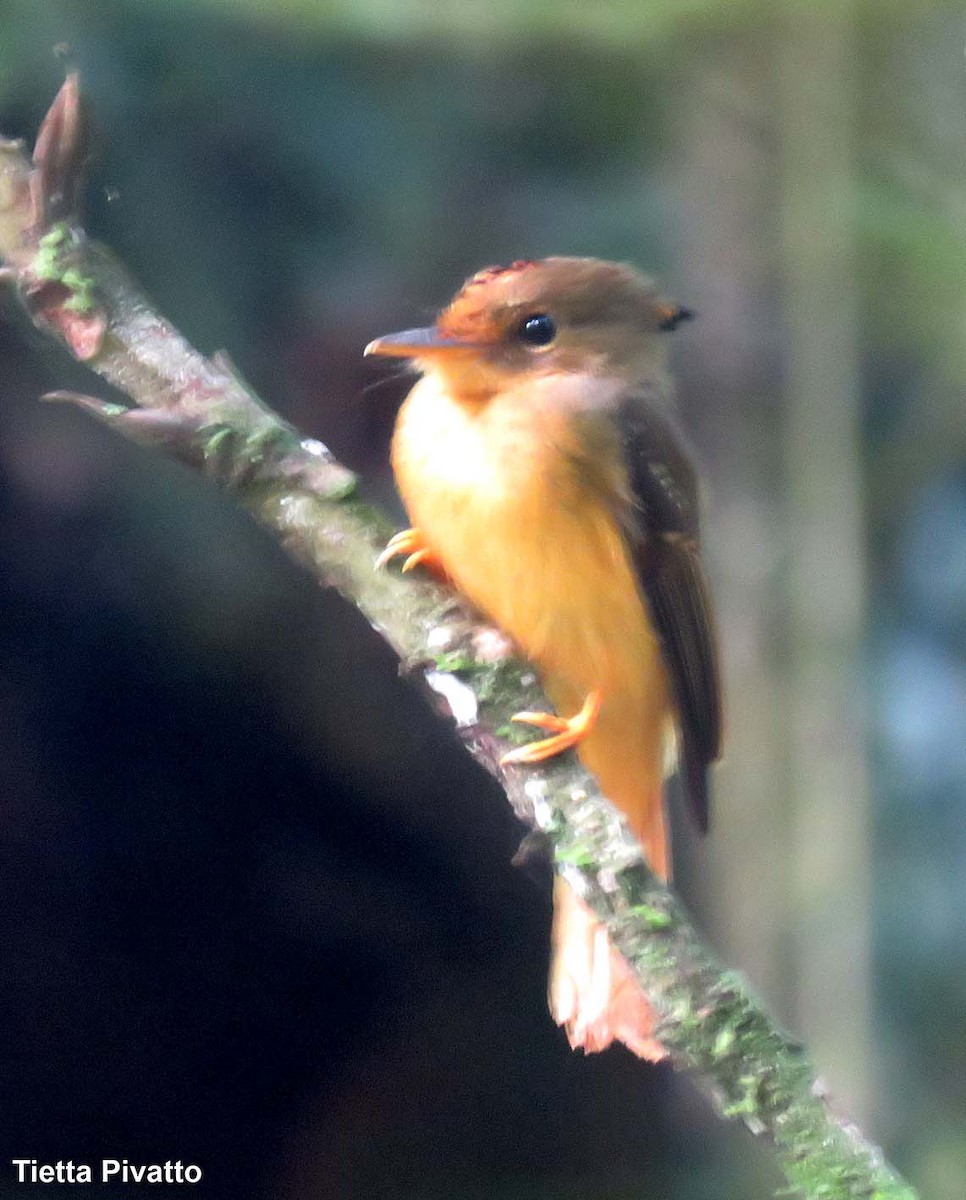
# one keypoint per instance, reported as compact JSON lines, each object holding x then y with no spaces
{"x":593,"y":992}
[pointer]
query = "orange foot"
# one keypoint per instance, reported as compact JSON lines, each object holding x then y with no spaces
{"x":412,"y":543}
{"x":567,"y":731}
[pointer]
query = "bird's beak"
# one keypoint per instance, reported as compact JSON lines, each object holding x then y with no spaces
{"x":413,"y":343}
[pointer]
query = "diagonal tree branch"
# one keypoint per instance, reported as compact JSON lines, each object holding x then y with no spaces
{"x":201,"y":411}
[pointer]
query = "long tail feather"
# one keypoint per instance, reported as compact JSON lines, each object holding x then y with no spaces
{"x":593,"y":993}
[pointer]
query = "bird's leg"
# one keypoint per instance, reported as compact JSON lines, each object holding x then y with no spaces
{"x":566,"y":731}
{"x":412,"y":543}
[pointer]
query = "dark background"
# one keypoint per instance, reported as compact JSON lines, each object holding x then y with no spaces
{"x":256,"y":911}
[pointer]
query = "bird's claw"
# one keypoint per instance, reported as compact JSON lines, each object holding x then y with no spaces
{"x":412,"y":544}
{"x":566,"y":732}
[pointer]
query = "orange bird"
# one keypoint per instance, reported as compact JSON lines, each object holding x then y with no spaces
{"x":539,"y":464}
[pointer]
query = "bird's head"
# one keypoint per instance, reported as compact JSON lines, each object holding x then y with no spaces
{"x":569,"y":315}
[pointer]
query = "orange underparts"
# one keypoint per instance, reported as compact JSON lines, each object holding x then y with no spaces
{"x":418,"y":554}
{"x":567,"y":731}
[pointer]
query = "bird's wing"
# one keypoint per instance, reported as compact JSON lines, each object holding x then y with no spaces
{"x":659,"y":517}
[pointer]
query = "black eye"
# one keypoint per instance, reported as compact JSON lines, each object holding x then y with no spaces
{"x":538,"y":330}
{"x":670,"y":317}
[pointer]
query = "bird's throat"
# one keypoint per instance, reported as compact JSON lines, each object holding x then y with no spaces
{"x":462,"y":377}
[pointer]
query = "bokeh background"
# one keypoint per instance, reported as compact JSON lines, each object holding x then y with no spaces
{"x":256,"y":911}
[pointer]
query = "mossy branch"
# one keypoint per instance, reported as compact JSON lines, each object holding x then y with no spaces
{"x":201,"y":411}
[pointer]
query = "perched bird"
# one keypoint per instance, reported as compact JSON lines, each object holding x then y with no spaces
{"x":539,"y":464}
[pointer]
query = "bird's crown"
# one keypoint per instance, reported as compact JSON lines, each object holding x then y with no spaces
{"x":572,"y":291}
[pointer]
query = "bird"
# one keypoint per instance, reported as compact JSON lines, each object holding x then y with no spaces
{"x":540,"y":462}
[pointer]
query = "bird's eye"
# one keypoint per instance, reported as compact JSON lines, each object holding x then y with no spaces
{"x":670,"y":316}
{"x":538,"y":330}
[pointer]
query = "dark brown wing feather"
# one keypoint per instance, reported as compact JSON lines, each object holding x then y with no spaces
{"x":661,"y":526}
